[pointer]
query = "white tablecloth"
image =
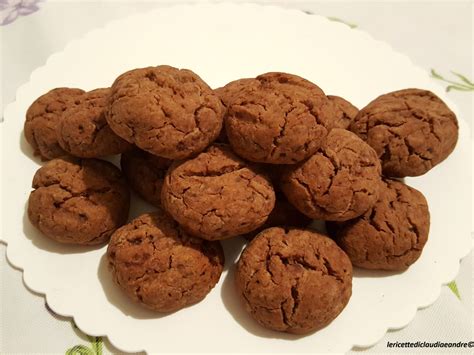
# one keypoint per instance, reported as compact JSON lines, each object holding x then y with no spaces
{"x":436,"y":35}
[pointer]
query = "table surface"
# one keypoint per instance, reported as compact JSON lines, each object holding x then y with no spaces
{"x":437,"y":35}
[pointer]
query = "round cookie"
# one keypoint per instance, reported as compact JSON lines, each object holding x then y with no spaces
{"x":283,"y":214}
{"x":391,"y":235}
{"x":161,"y":267}
{"x":168,"y":112}
{"x":42,"y":119}
{"x":339,"y":182}
{"x":226,"y":93}
{"x":411,"y":130}
{"x":217,"y":195}
{"x":145,"y":173}
{"x":346,"y":113}
{"x":83,"y":130}
{"x":78,"y":201}
{"x":293,"y":280}
{"x":278,"y":118}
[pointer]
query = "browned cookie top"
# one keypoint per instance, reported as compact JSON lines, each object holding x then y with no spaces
{"x":278,"y":118}
{"x":346,"y":111}
{"x":168,"y":112}
{"x":293,"y":280}
{"x":392,"y":234}
{"x":217,"y":195}
{"x":145,"y":173}
{"x":411,"y":130}
{"x":339,"y":182}
{"x":42,"y":119}
{"x":83,"y":130}
{"x":160,"y":266}
{"x":78,"y":201}
{"x":227,"y":92}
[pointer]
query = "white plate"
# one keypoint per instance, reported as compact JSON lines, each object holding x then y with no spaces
{"x":222,"y":43}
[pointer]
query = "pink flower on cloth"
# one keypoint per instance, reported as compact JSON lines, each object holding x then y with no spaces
{"x":11,"y":9}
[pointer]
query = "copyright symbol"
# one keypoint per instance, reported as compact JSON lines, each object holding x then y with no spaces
{"x":470,"y":344}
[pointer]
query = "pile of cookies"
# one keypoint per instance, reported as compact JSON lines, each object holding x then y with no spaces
{"x":258,"y":158}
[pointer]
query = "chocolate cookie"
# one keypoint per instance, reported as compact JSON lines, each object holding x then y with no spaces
{"x":83,"y":130}
{"x":230,"y":90}
{"x":226,"y":94}
{"x":168,"y":112}
{"x":346,"y":111}
{"x":145,"y":173}
{"x":160,"y":266}
{"x":78,"y":201}
{"x":217,"y":195}
{"x":42,"y":119}
{"x":339,"y":182}
{"x":278,"y":118}
{"x":293,"y":280}
{"x":283,"y":214}
{"x":391,"y":235}
{"x":411,"y":130}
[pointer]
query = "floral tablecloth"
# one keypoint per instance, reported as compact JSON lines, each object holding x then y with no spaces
{"x":437,"y":35}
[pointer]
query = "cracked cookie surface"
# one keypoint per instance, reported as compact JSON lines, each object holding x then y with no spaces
{"x":145,"y":173}
{"x":217,"y":195}
{"x":339,"y":182}
{"x":293,"y":280}
{"x":411,"y":130}
{"x":168,"y":112}
{"x":78,"y":201}
{"x":83,"y":130}
{"x":346,"y":112}
{"x":278,"y":118}
{"x":160,"y":266}
{"x":226,"y":94}
{"x":42,"y":118}
{"x":392,"y":234}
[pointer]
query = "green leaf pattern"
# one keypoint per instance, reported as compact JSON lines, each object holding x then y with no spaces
{"x":454,"y":287}
{"x":337,"y":19}
{"x":95,"y":348}
{"x":459,"y":83}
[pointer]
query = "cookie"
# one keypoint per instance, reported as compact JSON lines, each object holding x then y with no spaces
{"x":42,"y":119}
{"x":346,"y":111}
{"x":168,"y":112}
{"x":411,"y":130}
{"x":145,"y":173}
{"x":339,"y":182}
{"x":278,"y":118}
{"x":217,"y":195}
{"x":226,"y":93}
{"x":83,"y":130}
{"x":159,"y":266}
{"x":293,"y":280}
{"x":283,"y":214}
{"x":391,"y":235}
{"x":78,"y":201}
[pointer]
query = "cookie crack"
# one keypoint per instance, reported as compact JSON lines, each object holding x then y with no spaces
{"x":330,"y":271}
{"x":281,"y":133}
{"x":310,"y":195}
{"x":295,"y":296}
{"x":215,"y":173}
{"x":268,"y":260}
{"x":296,"y":260}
